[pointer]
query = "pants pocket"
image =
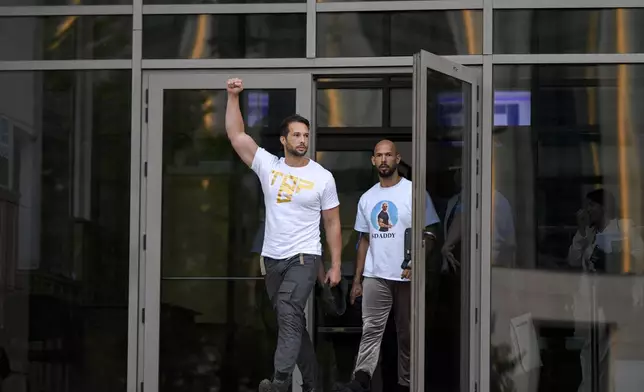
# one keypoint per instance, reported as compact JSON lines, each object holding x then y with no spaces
{"x":286,"y":290}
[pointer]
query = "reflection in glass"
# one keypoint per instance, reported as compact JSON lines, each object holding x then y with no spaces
{"x":66,"y":37}
{"x":349,"y":108}
{"x":371,"y":34}
{"x":213,"y":306}
{"x":224,"y":36}
{"x":447,"y":275}
{"x":615,"y":30}
{"x":570,"y":173}
{"x":215,"y":335}
{"x":64,"y":230}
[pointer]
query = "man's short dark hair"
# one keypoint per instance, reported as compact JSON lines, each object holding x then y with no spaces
{"x":295,"y":118}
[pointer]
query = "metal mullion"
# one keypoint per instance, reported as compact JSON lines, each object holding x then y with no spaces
{"x":328,"y":62}
{"x":357,"y":85}
{"x":206,"y":9}
{"x":386,"y":82}
{"x":311,"y":29}
{"x":47,"y":65}
{"x":488,"y":27}
{"x":412,"y":5}
{"x":616,"y":58}
{"x":560,"y":4}
{"x":135,"y":332}
{"x":485,"y":272}
{"x":61,"y":10}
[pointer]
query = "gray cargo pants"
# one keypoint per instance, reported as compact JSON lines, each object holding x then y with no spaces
{"x":289,"y":283}
{"x":378,"y":297}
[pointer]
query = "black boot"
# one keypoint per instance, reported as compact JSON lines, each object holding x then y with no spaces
{"x":274,"y":386}
{"x":361,"y":383}
{"x":308,"y":388}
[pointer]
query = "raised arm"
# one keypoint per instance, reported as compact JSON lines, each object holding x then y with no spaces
{"x":242,"y":143}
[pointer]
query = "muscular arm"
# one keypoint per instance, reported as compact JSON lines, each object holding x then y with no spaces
{"x":242,"y":143}
{"x":331,"y":220}
{"x":363,"y":246}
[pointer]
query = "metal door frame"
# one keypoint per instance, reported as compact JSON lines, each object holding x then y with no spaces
{"x":301,"y":79}
{"x":470,"y":338}
{"x":154,"y":85}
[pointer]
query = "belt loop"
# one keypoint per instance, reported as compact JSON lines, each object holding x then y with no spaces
{"x":262,"y":266}
{"x":302,"y":258}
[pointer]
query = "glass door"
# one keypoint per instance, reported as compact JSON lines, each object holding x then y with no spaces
{"x":207,"y":324}
{"x":445,"y":271}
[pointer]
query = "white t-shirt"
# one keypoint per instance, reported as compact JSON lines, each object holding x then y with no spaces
{"x":293,"y":198}
{"x":385,"y":213}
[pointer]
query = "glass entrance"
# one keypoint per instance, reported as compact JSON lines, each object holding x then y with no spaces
{"x":208,"y":322}
{"x":445,"y":274}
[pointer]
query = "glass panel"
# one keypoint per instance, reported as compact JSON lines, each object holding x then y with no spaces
{"x":366,"y":34}
{"x":224,"y":36}
{"x":569,"y":31}
{"x":65,"y":37}
{"x":64,"y":231}
{"x":349,"y":108}
{"x":213,"y":207}
{"x":215,"y":335}
{"x":400,"y":107}
{"x":213,"y":226}
{"x":573,"y":216}
{"x":448,"y":125}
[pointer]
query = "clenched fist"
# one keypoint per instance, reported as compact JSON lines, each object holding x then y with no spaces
{"x":234,"y":86}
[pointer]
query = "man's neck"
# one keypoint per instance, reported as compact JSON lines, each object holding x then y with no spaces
{"x":295,"y":161}
{"x":390,"y":181}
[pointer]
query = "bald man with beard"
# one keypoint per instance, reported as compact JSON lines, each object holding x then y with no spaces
{"x":384,"y":213}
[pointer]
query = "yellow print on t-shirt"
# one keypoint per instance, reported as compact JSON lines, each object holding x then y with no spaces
{"x":289,"y":186}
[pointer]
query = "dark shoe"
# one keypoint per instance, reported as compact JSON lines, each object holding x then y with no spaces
{"x":307,"y":388}
{"x":361,"y":383}
{"x":363,"y":379}
{"x":273,"y":386}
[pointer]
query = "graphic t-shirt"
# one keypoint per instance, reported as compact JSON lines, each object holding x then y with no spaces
{"x":293,"y":198}
{"x":385,"y":214}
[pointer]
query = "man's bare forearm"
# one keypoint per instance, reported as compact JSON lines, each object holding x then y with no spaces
{"x":363,"y":246}
{"x":334,"y":240}
{"x":234,"y":120}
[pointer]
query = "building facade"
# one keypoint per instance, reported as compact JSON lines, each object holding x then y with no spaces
{"x":129,"y":230}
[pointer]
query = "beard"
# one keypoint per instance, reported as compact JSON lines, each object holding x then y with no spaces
{"x":385,"y":171}
{"x":295,"y":152}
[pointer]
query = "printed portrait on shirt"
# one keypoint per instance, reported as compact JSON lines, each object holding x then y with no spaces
{"x":384,"y":216}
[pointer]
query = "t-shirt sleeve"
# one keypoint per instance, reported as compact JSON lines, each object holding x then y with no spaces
{"x":431,"y":217}
{"x":263,"y":161}
{"x":362,"y":221}
{"x":330,"y":195}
